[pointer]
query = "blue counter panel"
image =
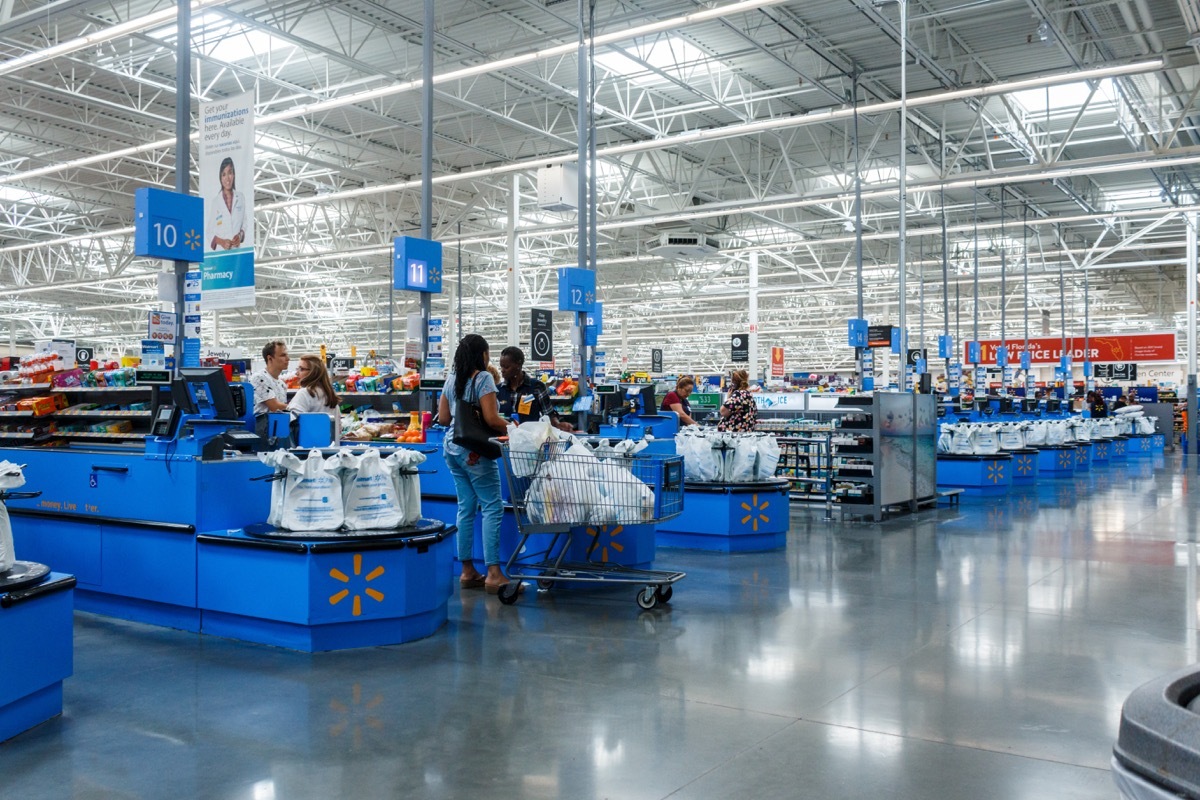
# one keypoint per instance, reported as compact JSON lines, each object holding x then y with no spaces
{"x":36,"y":629}
{"x":1119,"y":449}
{"x":1101,"y":451}
{"x":292,"y":595}
{"x":1158,"y":442}
{"x":729,"y":519}
{"x":1024,"y":467}
{"x":1083,"y":456}
{"x":1057,"y":461}
{"x":1140,"y":445}
{"x":979,"y":476}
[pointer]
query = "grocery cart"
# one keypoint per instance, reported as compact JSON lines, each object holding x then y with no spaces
{"x":561,"y":486}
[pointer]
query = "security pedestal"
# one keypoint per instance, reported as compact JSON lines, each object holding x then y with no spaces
{"x":36,"y":655}
{"x":730,"y":518}
{"x":328,"y":590}
{"x":977,"y":476}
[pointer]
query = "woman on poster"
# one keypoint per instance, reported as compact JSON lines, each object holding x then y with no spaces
{"x":227,"y":212}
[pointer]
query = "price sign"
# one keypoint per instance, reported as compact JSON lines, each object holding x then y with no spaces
{"x":168,"y":225}
{"x":417,"y":265}
{"x":576,"y":289}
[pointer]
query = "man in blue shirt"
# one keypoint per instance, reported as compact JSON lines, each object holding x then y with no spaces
{"x":520,"y":395}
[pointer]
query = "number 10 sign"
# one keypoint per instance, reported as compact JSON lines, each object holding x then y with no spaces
{"x":417,"y":266}
{"x":576,"y":289}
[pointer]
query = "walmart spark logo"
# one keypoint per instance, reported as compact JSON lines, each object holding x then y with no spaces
{"x":1080,"y":456}
{"x":1102,"y":450}
{"x":191,"y":240}
{"x":606,"y":539}
{"x":995,"y":473}
{"x":1065,"y":459}
{"x":1119,"y":448}
{"x":374,"y":594}
{"x":754,"y":512}
{"x":1024,"y":465}
{"x":355,"y":716}
{"x":589,"y":298}
{"x":435,"y":275}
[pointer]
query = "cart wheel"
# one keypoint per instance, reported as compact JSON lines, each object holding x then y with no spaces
{"x":545,"y":583}
{"x":647,"y":598}
{"x":664,"y":592}
{"x":509,"y":592}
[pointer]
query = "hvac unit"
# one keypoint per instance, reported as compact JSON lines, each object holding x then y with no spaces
{"x":683,"y":244}
{"x":558,"y":188}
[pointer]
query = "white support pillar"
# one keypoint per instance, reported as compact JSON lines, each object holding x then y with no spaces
{"x":514,"y":322}
{"x":451,"y":316}
{"x":216,"y":315}
{"x":624,"y":345}
{"x":12,"y":338}
{"x":754,"y":365}
{"x":1193,"y":229}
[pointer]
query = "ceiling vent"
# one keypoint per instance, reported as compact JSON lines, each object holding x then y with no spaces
{"x":683,"y":244}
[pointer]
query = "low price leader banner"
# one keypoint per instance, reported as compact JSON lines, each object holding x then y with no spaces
{"x":1128,"y":348}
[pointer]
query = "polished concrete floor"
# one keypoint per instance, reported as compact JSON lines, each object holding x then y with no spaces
{"x":973,"y":652}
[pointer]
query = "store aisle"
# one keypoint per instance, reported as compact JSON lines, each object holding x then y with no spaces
{"x":978,"y":652}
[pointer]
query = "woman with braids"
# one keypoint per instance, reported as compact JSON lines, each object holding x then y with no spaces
{"x":476,"y":478}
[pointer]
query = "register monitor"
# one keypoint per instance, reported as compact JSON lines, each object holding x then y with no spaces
{"x":205,"y":393}
{"x":1029,"y":405}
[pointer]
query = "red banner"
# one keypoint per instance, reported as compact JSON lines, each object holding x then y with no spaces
{"x":776,"y":362}
{"x":1127,"y":347}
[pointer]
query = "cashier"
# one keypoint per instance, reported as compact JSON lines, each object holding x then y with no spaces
{"x":677,"y":400}
{"x":522,"y":397}
{"x":270,"y":393}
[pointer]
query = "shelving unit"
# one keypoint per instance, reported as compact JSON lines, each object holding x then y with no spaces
{"x":100,"y":395}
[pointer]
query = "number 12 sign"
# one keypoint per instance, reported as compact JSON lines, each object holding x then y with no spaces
{"x":417,"y":266}
{"x":576,"y":289}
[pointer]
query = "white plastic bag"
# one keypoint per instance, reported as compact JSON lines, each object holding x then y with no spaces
{"x":281,"y":461}
{"x":11,"y":477}
{"x":1012,"y":437}
{"x":621,"y":497}
{"x":1147,"y":425}
{"x":524,"y":444}
{"x":698,"y":462}
{"x":945,"y":439}
{"x":564,"y":492}
{"x":369,"y":492}
{"x":402,"y":467}
{"x":1056,"y":434}
{"x":986,"y":443}
{"x":313,"y":495}
{"x":1106,"y":428}
{"x":768,"y":457}
{"x":744,"y":463}
{"x":1036,"y":435}
{"x":962,"y":444}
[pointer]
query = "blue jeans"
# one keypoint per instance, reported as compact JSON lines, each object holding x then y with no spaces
{"x":478,"y":486}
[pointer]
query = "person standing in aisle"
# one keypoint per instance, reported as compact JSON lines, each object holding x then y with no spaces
{"x":1120,"y":402}
{"x":677,"y":401}
{"x":316,"y":394}
{"x":476,"y":477}
{"x":270,"y":393}
{"x":739,"y":414}
{"x":1096,"y":406}
{"x":522,"y":396}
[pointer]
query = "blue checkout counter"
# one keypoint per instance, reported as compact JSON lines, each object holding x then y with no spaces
{"x":157,"y":535}
{"x":730,"y":517}
{"x":36,"y":652}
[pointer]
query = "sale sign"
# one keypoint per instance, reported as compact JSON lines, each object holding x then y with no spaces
{"x":1127,"y":347}
{"x":776,"y":362}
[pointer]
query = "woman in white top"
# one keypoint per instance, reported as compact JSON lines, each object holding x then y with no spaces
{"x":227,"y":213}
{"x":316,"y":393}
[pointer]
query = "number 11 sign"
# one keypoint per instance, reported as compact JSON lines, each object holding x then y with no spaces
{"x":576,"y":289}
{"x":417,"y":266}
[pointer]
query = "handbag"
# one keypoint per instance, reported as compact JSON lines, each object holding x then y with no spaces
{"x":470,"y":431}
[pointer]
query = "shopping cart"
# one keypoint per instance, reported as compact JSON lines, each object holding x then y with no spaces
{"x":560,"y":487}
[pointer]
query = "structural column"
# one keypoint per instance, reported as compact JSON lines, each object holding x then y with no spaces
{"x":1193,"y":229}
{"x":514,"y":210}
{"x":754,"y":366}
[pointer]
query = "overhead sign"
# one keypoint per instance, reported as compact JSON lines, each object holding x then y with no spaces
{"x":656,"y":360}
{"x":226,"y":163}
{"x":776,"y":362}
{"x":83,"y":354}
{"x":1116,"y":372}
{"x":740,"y":348}
{"x":595,"y":325}
{"x":168,"y":225}
{"x":879,"y":336}
{"x":541,"y":335}
{"x":914,"y":355}
{"x":417,"y":265}
{"x":576,"y":289}
{"x":1123,"y":348}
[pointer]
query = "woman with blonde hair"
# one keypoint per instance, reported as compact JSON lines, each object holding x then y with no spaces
{"x":738,"y":412}
{"x":316,"y":394}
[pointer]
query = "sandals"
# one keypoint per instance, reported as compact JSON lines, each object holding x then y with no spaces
{"x":471,"y":583}
{"x":494,"y":588}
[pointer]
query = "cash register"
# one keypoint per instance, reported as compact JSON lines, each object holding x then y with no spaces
{"x":206,"y":416}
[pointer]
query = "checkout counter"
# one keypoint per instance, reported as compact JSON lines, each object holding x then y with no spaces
{"x":171,"y":534}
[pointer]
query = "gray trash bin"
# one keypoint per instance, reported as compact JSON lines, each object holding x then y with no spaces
{"x":1157,"y":756}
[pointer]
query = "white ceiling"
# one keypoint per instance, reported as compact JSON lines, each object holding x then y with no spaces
{"x":739,"y":126}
